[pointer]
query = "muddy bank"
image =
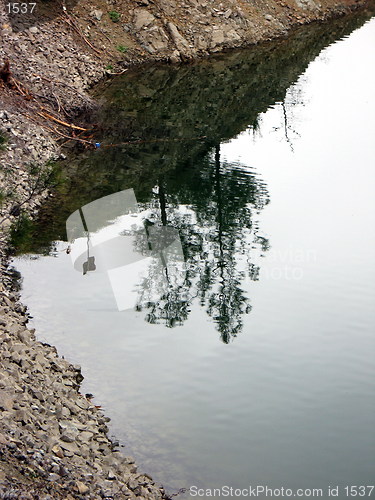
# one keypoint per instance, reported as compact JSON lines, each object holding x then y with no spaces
{"x":53,"y":440}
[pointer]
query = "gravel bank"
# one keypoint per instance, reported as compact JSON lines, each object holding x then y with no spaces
{"x":53,"y":440}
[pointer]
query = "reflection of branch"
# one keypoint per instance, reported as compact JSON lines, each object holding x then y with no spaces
{"x":286,"y":126}
{"x":41,"y":182}
{"x":161,"y":139}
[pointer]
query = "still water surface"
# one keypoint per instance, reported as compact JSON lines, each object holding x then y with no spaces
{"x":261,"y":371}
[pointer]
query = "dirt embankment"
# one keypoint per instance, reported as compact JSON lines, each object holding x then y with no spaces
{"x":53,"y":440}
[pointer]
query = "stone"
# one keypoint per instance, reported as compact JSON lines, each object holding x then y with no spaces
{"x":217,"y":38}
{"x":306,"y":4}
{"x":111,"y":476}
{"x":81,"y":487}
{"x":69,"y":447}
{"x":6,"y":401}
{"x":175,"y":57}
{"x":3,"y":439}
{"x":85,"y":436}
{"x":53,"y":477}
{"x":232,"y":36}
{"x":200,"y":43}
{"x":142,"y":18}
{"x":96,"y":14}
{"x":180,"y":42}
{"x":34,"y":30}
{"x":82,"y":403}
{"x":69,"y":432}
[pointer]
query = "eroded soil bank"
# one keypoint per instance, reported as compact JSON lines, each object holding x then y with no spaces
{"x":53,"y":440}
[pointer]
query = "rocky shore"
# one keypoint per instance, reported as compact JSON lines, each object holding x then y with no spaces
{"x":53,"y":440}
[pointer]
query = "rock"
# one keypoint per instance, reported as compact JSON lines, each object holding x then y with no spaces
{"x":81,"y":487}
{"x":82,"y":403}
{"x":6,"y":400}
{"x":306,"y":4}
{"x":53,"y":477}
{"x":68,"y":437}
{"x":180,"y":42}
{"x":142,"y":18}
{"x":3,"y":439}
{"x":57,"y":451}
{"x":111,"y":476}
{"x":96,"y":14}
{"x":69,"y":432}
{"x":200,"y":42}
{"x":85,"y":436}
{"x":217,"y":38}
{"x":232,"y":36}
{"x":24,"y":336}
{"x":69,"y":447}
{"x":175,"y":57}
{"x":34,"y":30}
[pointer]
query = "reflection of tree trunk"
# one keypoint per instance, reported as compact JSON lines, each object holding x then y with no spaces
{"x":163,"y":215}
{"x":219,"y":206}
{"x":163,"y":203}
{"x":223,"y":310}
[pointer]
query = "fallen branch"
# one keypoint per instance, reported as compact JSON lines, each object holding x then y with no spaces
{"x":70,"y":21}
{"x":78,"y":139}
{"x":6,"y":76}
{"x":22,"y":89}
{"x":115,"y":74}
{"x":58,"y":102}
{"x":50,"y":117}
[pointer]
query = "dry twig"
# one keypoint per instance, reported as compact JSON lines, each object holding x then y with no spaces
{"x":50,"y":117}
{"x":72,"y":23}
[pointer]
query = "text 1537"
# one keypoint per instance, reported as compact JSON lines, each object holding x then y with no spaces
{"x":20,"y":8}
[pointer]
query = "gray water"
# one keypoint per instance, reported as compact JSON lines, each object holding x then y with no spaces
{"x":279,"y":391}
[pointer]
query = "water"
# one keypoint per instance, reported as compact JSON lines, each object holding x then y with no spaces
{"x":261,"y":370}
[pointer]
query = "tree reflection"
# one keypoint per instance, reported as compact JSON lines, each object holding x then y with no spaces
{"x":214,"y":215}
{"x":176,"y":118}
